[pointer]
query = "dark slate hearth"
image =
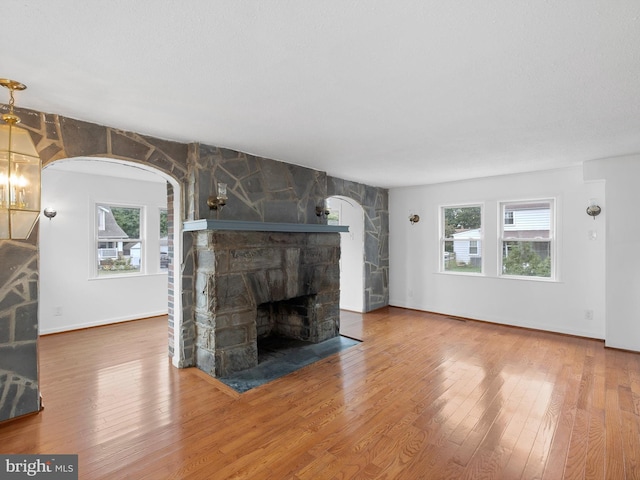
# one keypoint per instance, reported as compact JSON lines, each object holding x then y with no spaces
{"x":279,"y":356}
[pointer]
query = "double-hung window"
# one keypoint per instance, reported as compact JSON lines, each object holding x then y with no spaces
{"x":527,"y":238}
{"x":461,"y":239}
{"x":119,"y":246}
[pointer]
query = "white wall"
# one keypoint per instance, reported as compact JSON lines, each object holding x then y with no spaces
{"x":561,"y":306}
{"x":351,"y":253}
{"x":622,"y":176}
{"x":70,"y":297}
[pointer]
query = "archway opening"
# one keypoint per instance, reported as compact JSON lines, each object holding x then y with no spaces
{"x":77,"y":290}
{"x":346,"y":211}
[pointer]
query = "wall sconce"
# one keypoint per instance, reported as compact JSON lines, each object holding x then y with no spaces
{"x":50,"y":212}
{"x":413,"y":218}
{"x":322,"y":210}
{"x":593,"y":210}
{"x":216,"y":202}
{"x":19,"y":174}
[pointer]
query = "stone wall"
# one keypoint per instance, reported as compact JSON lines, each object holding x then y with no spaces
{"x":270,"y":191}
{"x":19,"y":327}
{"x":59,"y":138}
{"x":259,"y":189}
{"x":375,"y":203}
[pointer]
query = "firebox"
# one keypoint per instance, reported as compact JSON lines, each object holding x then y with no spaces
{"x":292,"y":318}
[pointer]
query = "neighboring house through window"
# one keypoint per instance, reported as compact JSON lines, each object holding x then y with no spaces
{"x":508,"y":217}
{"x":164,"y":241}
{"x":119,"y":246}
{"x":473,"y":247}
{"x":527,"y":239}
{"x":461,"y":239}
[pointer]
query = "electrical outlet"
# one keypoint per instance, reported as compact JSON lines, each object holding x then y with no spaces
{"x":57,"y":311}
{"x":588,"y":314}
{"x":410,"y":293}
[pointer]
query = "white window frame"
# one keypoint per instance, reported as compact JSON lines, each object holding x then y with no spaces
{"x":503,"y":237}
{"x":94,"y":273}
{"x":479,"y":241}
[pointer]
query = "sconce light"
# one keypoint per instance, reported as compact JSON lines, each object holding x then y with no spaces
{"x":19,"y":174}
{"x":413,"y":218}
{"x":50,"y":212}
{"x":218,"y":201}
{"x":322,"y":210}
{"x":593,"y":209}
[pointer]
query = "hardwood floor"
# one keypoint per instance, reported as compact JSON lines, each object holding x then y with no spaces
{"x":424,"y":396}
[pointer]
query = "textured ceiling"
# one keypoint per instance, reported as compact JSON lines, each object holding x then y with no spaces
{"x":389,"y":93}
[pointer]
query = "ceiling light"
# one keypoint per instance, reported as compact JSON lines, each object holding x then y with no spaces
{"x":19,"y":174}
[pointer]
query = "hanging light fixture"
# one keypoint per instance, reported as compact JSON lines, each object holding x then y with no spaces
{"x":19,"y":174}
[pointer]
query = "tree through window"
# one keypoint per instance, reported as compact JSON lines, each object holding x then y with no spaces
{"x":461,"y":240}
{"x":527,"y":239}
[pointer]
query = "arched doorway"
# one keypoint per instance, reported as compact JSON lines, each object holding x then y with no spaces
{"x":346,"y":211}
{"x":74,"y":187}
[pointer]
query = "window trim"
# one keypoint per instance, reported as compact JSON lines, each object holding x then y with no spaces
{"x":552,"y":240}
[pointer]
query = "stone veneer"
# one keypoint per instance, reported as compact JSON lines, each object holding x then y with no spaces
{"x":260,"y":189}
{"x":375,"y":203}
{"x":18,"y":327}
{"x":237,"y":272}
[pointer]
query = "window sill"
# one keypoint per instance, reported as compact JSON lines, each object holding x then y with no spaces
{"x":529,"y":278}
{"x":462,"y":274}
{"x":501,"y":277}
{"x":128,"y":275}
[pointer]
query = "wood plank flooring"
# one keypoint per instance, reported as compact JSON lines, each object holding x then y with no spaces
{"x":423,"y":396}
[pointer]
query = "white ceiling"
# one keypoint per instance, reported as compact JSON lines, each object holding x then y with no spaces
{"x":389,"y":93}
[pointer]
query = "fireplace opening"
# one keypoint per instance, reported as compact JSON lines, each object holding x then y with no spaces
{"x":284,"y":324}
{"x":290,"y":318}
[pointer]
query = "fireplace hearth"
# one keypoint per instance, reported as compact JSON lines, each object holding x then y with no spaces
{"x":280,"y":356}
{"x":253,"y":284}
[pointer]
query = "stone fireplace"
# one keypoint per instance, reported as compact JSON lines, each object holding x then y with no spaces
{"x":257,"y":280}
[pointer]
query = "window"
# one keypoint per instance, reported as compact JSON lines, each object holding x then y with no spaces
{"x":164,"y":241}
{"x":461,"y":239}
{"x":118,"y":245}
{"x":527,"y":242}
{"x":508,"y":217}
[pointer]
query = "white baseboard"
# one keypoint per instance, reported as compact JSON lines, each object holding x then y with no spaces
{"x":97,"y":323}
{"x":509,"y":321}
